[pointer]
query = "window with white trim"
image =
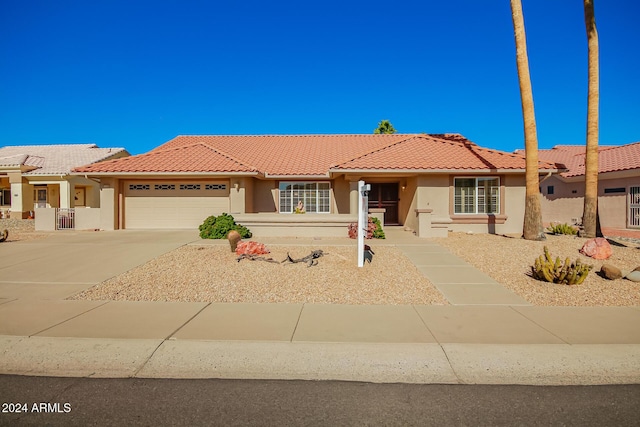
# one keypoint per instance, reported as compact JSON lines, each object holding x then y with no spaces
{"x":476,"y":195}
{"x":314,"y":196}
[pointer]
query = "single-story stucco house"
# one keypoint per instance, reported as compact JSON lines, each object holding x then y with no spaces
{"x":426,"y":183}
{"x":618,"y":185}
{"x":39,"y":176}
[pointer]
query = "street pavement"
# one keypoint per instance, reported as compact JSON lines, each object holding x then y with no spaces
{"x":487,"y":335}
{"x":158,"y":402}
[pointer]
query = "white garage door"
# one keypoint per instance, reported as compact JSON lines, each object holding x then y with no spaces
{"x":173,"y":204}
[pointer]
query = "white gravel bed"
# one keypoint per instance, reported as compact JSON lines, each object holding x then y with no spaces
{"x":211,"y":274}
{"x":508,"y":261}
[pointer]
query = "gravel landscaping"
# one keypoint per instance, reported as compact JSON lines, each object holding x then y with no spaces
{"x":212,"y":274}
{"x":508,"y":260}
{"x":20,"y":229}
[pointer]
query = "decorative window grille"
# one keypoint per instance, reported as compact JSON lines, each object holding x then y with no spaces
{"x":164,"y":187}
{"x":139,"y":187}
{"x":215,"y":187}
{"x":190,"y":186}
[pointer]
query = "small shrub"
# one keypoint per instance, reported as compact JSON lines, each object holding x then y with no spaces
{"x":378,"y":233}
{"x":562,"y":229}
{"x":567,"y":273}
{"x":218,"y":227}
{"x":374,"y":229}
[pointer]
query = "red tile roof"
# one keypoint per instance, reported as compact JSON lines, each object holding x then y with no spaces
{"x":430,"y":152}
{"x":188,"y":158}
{"x":314,"y":155}
{"x":610,"y":159}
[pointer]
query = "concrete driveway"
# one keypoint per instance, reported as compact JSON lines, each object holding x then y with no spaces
{"x":64,"y":263}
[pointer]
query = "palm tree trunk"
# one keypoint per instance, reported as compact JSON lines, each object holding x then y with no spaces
{"x":532,"y":227}
{"x":590,"y":213}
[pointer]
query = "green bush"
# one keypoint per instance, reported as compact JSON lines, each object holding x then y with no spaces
{"x":378,"y":233}
{"x":562,"y":229}
{"x":218,"y":227}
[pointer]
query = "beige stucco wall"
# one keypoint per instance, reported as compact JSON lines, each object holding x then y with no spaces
{"x":409,"y":204}
{"x":341,"y":194}
{"x":514,"y":201}
{"x":264,"y":196}
{"x":45,"y":219}
{"x":237,"y":196}
{"x":87,"y":219}
{"x":109,"y":203}
{"x":566,"y":205}
{"x":563,"y":206}
{"x":248,"y":184}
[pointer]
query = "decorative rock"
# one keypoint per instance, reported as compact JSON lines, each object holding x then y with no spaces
{"x":234,"y":237}
{"x":597,"y":248}
{"x":251,"y":248}
{"x":634,"y":276}
{"x":611,"y":272}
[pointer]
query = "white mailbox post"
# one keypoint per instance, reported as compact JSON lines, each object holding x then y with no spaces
{"x":363,"y":221}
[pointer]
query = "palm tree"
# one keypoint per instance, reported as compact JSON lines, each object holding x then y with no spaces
{"x":384,"y":126}
{"x":590,"y":213}
{"x":532,"y":227}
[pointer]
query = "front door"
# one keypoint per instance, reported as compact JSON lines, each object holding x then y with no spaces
{"x":385,"y":195}
{"x":41,"y":197}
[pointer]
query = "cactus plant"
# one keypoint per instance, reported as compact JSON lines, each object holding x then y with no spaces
{"x":545,"y":268}
{"x":562,"y":229}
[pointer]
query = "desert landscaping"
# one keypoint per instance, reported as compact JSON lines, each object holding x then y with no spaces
{"x":211,"y":273}
{"x":508,"y":260}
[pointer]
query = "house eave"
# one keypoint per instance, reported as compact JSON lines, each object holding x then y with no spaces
{"x":448,"y":171}
{"x":167,"y":174}
{"x":300,"y":177}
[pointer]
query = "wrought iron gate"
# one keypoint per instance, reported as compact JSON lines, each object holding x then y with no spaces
{"x":634,"y":207}
{"x":65,"y":218}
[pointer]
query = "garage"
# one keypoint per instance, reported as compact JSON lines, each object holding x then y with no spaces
{"x":173,"y":204}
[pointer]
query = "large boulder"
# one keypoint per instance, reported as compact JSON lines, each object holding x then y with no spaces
{"x":597,"y":248}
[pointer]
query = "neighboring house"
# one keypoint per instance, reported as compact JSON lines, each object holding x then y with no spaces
{"x":39,"y":176}
{"x":618,"y":185}
{"x":427,"y":183}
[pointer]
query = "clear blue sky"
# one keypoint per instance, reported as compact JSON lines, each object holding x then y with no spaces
{"x":135,"y":74}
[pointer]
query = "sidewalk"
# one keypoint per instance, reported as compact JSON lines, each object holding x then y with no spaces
{"x":487,"y":335}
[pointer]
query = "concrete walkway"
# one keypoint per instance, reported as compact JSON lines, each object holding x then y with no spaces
{"x":487,"y":335}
